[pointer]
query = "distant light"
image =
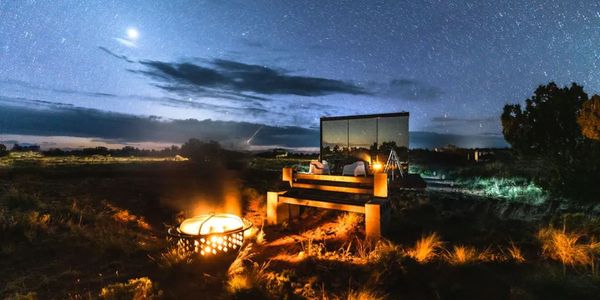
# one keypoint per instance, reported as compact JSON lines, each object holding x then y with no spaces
{"x":133,"y":34}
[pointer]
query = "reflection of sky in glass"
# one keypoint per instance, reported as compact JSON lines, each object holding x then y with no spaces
{"x":363,"y":132}
{"x":393,"y":129}
{"x":335,"y":133}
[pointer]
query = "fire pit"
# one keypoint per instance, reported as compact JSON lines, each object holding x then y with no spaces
{"x":210,"y":234}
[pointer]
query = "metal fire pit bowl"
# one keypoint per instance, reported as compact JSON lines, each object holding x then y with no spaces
{"x":210,"y":234}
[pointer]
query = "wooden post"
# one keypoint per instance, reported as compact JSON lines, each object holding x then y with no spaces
{"x":278,"y":213}
{"x":380,"y":186}
{"x":272,"y":203}
{"x":373,"y":220}
{"x":288,"y":175}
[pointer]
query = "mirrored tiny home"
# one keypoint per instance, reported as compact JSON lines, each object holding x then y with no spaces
{"x":368,"y":138}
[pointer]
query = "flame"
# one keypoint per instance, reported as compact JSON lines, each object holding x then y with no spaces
{"x":208,"y":224}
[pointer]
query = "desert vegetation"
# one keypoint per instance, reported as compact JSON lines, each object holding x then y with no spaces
{"x":100,"y":236}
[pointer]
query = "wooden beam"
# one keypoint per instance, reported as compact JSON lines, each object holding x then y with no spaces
{"x":380,"y":187}
{"x":287,"y":175}
{"x":333,"y":188}
{"x":373,"y":221}
{"x":323,"y":204}
{"x":335,"y":178}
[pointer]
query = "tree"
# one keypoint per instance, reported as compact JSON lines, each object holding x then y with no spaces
{"x":589,"y":118}
{"x":547,"y":132}
{"x":548,"y":124}
{"x":200,"y":151}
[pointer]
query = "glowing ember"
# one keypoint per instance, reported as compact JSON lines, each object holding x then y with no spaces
{"x":208,"y":224}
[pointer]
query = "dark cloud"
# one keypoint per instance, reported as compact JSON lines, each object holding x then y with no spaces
{"x":122,"y":57}
{"x":407,"y":89}
{"x":28,"y":86}
{"x":50,"y":119}
{"x":220,"y":76}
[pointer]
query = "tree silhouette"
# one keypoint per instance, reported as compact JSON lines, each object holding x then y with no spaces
{"x":547,"y":133}
{"x":548,"y":124}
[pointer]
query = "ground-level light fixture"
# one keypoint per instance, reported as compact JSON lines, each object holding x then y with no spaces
{"x":210,"y":234}
{"x":377,"y":167}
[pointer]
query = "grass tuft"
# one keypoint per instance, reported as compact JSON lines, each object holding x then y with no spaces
{"x":426,"y":248}
{"x":567,"y":247}
{"x":461,"y":255}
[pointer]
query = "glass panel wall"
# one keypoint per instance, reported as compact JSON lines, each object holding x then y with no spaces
{"x":334,"y":138}
{"x":392,"y":133}
{"x":346,"y":140}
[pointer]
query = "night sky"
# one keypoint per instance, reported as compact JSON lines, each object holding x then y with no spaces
{"x":105,"y":70}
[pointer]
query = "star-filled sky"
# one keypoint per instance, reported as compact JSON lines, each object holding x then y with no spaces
{"x":110,"y":70}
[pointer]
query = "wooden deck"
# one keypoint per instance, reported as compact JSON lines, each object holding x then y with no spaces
{"x":365,"y":195}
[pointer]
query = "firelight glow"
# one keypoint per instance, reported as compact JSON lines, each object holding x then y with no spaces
{"x":208,"y":224}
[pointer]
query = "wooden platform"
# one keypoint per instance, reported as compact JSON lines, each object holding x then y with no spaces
{"x":366,"y":195}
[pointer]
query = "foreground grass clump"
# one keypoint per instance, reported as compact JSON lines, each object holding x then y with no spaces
{"x":426,"y":248}
{"x":570,"y":248}
{"x":461,"y":255}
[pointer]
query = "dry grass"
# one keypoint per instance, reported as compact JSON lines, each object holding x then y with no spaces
{"x":426,"y":248}
{"x":364,"y":294}
{"x":311,"y":248}
{"x":348,"y":222}
{"x":246,"y":276}
{"x":138,"y":288}
{"x":515,"y":253}
{"x":174,"y":256}
{"x":363,"y":248}
{"x":461,"y":255}
{"x":568,"y":247}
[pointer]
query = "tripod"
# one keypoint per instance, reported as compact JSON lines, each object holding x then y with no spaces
{"x":393,"y":163}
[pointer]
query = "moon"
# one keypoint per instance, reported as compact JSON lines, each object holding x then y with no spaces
{"x":133,"y":34}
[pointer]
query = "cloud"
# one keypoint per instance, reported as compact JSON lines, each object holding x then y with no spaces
{"x":28,"y":86}
{"x":126,"y":42}
{"x":122,"y":57}
{"x":407,"y":89}
{"x":220,"y":76}
{"x":17,"y":116}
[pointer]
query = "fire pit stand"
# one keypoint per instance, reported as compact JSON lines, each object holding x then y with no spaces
{"x":210,"y":234}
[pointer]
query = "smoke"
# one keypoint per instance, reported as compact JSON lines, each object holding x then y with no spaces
{"x":205,"y":189}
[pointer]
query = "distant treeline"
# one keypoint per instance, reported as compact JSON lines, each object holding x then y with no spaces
{"x":126,"y":151}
